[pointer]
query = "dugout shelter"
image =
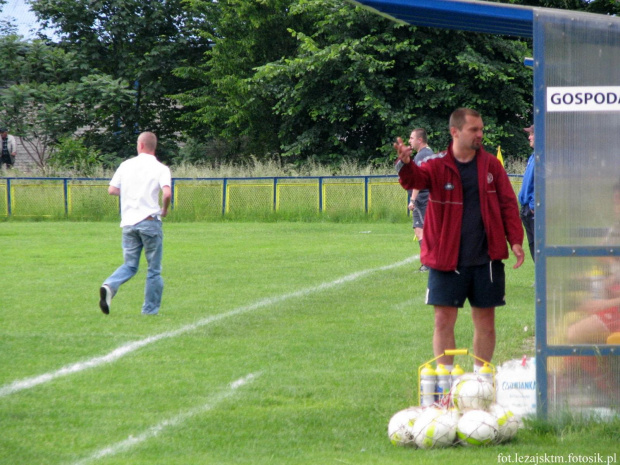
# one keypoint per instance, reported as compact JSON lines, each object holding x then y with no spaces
{"x":577,"y":180}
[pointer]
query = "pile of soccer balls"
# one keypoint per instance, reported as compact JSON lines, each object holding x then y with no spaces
{"x":468,"y":416}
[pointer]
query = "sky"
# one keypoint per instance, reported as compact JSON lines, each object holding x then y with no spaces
{"x":24,"y":18}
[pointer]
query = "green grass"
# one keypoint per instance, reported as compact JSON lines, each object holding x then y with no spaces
{"x":253,"y":167}
{"x":331,"y":363}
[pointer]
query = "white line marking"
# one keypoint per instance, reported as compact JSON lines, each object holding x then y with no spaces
{"x":153,"y":431}
{"x":28,"y":383}
{"x":407,"y":304}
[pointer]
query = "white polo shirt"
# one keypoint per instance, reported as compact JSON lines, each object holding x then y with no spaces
{"x":140,"y":180}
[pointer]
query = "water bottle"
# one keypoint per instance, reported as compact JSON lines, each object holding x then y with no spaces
{"x":428,"y":386}
{"x":597,"y":283}
{"x":443,"y":381}
{"x":486,"y":373}
{"x":456,"y":373}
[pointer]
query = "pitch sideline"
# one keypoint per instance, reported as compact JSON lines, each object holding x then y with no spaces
{"x":28,"y":383}
{"x":153,"y":431}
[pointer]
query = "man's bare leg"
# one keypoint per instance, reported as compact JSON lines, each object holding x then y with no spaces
{"x":484,"y":332}
{"x":443,"y":334}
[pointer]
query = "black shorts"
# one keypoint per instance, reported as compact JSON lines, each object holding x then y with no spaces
{"x":418,"y":219}
{"x":418,"y":215}
{"x":484,"y":286}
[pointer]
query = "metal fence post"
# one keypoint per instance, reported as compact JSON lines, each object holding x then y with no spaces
{"x":66,"y":193}
{"x":8,"y":197}
{"x":224,"y":189}
{"x":173,"y":194}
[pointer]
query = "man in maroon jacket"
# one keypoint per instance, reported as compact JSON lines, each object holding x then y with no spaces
{"x":471,"y":213}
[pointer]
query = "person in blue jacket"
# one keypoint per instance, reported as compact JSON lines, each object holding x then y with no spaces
{"x":526,"y":196}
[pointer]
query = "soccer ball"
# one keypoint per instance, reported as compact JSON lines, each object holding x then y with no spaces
{"x":507,"y":423}
{"x":434,"y":428}
{"x":399,"y":427}
{"x":472,"y":393}
{"x":477,"y":428}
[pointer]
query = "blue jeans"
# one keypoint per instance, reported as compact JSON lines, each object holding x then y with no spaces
{"x":147,"y":235}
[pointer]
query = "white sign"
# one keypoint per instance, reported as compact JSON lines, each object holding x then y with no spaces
{"x":605,"y":98}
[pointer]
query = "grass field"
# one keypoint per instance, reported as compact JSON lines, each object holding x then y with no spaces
{"x":277,"y":343}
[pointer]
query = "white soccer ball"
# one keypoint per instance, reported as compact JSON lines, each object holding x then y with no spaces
{"x":472,"y":393}
{"x":455,"y":414}
{"x":477,"y":428}
{"x":508,"y":424}
{"x":399,"y":427}
{"x":435,"y":428}
{"x":423,"y":420}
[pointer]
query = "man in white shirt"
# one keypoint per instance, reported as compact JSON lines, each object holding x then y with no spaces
{"x":138,"y":182}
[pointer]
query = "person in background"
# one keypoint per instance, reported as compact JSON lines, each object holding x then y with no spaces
{"x":601,"y":312}
{"x":526,"y":196}
{"x":138,"y":181}
{"x":9,"y":148}
{"x":596,"y":320}
{"x":418,"y":141}
{"x":471,"y":214}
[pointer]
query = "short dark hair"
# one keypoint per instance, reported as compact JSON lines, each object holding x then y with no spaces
{"x":457,"y":118}
{"x":420,"y":133}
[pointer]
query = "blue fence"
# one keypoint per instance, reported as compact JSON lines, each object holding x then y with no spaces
{"x":205,"y":198}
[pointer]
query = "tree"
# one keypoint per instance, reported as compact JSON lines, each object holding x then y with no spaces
{"x":329,"y":80}
{"x":138,"y":43}
{"x":7,"y":27}
{"x":244,"y":34}
{"x":42,"y":98}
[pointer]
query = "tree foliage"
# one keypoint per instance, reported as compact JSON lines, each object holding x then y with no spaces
{"x":43,"y":98}
{"x":139,"y":43}
{"x":292,"y":79}
{"x":71,"y":154}
{"x":329,"y":80}
{"x":7,"y":27}
{"x":244,"y":35}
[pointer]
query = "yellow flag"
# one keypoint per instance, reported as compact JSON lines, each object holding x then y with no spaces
{"x":499,"y":155}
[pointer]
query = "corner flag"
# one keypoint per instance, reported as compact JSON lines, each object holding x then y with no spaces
{"x":499,"y":155}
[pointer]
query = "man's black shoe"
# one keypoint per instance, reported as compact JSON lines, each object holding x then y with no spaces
{"x":105,"y":298}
